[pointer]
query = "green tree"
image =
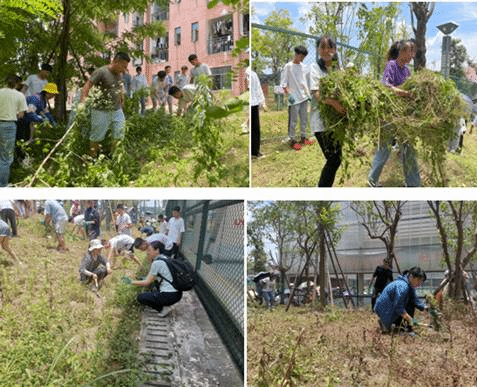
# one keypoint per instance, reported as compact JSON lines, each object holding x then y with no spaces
{"x":421,"y":12}
{"x":376,"y":40}
{"x":457,"y":226}
{"x":275,"y":48}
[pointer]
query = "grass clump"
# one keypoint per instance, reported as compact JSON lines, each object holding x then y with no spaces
{"x":427,"y":120}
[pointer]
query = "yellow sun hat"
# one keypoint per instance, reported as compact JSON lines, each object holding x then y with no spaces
{"x":51,"y":88}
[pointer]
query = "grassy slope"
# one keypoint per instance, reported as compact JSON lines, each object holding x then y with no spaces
{"x":53,"y":330}
{"x":344,"y":348}
{"x":176,"y":170}
{"x":285,"y":167}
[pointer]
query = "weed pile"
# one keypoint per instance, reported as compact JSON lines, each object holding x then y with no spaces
{"x":426,"y":120}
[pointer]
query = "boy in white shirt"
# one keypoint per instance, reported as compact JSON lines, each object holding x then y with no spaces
{"x":296,"y":88}
{"x":123,"y":221}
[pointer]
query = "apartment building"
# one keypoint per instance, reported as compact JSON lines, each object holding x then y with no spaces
{"x":192,"y":29}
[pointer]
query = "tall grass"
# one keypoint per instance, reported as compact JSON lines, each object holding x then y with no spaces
{"x":56,"y":332}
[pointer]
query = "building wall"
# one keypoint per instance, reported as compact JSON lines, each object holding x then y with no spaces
{"x":182,"y":14}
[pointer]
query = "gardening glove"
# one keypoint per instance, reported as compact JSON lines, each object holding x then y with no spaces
{"x":126,"y":280}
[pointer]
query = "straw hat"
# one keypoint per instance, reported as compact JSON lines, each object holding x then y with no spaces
{"x":95,"y":244}
{"x":51,"y":88}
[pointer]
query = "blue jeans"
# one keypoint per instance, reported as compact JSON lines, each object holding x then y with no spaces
{"x":268,"y":297}
{"x":408,"y":159}
{"x":8,"y":131}
{"x":102,"y":120}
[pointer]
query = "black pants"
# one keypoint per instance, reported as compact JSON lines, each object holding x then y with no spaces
{"x":332,"y":151}
{"x":156,"y":300}
{"x":100,"y":271}
{"x":8,"y":216}
{"x":410,"y":309}
{"x":255,"y":123}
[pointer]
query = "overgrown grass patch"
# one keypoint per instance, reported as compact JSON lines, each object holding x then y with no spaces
{"x":338,"y":347}
{"x":54,"y":331}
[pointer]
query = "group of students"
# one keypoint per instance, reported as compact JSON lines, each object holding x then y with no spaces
{"x":22,"y":106}
{"x":25,"y":104}
{"x":94,"y":266}
{"x":301,"y":84}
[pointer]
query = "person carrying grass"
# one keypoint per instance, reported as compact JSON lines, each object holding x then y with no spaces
{"x":330,"y":147}
{"x":395,"y":73}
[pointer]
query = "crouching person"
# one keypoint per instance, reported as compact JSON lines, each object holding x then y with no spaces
{"x":94,"y":267}
{"x":397,"y":302}
{"x":167,"y":295}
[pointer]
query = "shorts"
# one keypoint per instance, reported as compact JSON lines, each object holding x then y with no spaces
{"x":5,"y":231}
{"x":102,"y":120}
{"x":60,"y":225}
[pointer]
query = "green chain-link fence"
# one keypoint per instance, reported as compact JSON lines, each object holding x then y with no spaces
{"x":214,"y":243}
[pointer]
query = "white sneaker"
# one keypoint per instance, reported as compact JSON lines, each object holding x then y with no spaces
{"x":165,"y":311}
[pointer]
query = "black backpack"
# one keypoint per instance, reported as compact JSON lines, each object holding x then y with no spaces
{"x":183,"y":276}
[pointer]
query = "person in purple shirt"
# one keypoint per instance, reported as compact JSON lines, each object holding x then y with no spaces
{"x":394,"y":75}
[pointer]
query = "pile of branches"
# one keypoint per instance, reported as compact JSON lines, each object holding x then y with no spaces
{"x":426,"y":120}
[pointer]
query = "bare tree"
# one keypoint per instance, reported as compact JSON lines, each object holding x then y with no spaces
{"x":457,"y":226}
{"x":380,"y":220}
{"x":422,"y":12}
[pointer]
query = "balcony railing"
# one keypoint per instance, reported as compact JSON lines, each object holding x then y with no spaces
{"x":220,"y":44}
{"x":161,"y":15}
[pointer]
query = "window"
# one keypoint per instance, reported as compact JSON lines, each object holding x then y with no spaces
{"x":222,"y":77}
{"x":245,"y":30}
{"x":160,"y":49}
{"x":177,"y":36}
{"x":159,"y":13}
{"x":126,"y":18}
{"x":138,"y":19}
{"x":220,"y":35}
{"x":195,"y":32}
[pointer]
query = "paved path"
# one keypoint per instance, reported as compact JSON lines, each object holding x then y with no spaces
{"x":183,"y":348}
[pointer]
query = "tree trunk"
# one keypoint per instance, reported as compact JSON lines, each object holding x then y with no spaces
{"x":323,"y":283}
{"x":422,"y":11}
{"x":62,"y":63}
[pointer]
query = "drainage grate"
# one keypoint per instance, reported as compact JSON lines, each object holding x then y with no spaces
{"x":156,"y":348}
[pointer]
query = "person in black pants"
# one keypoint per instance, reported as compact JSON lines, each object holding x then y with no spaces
{"x":167,"y":295}
{"x":382,"y":276}
{"x":330,"y":147}
{"x":257,"y":100}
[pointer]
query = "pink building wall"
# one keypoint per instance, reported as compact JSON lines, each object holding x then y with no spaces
{"x":182,"y":14}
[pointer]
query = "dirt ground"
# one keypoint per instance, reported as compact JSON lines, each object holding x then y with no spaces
{"x":304,"y":347}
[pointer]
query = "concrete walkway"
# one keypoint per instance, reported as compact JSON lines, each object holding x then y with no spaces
{"x":183,"y":349}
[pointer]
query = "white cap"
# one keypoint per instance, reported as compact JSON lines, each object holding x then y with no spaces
{"x":95,"y":244}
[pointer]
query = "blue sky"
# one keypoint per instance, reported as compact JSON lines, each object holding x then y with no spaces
{"x":464,"y":14}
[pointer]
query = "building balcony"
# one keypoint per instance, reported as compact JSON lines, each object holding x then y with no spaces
{"x":220,"y":44}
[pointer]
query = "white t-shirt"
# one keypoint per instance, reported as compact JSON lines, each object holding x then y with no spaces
{"x":163,"y":238}
{"x":256,"y":93}
{"x":35,"y":85}
{"x":6,"y":204}
{"x":138,"y":82}
{"x":163,"y":227}
{"x":159,"y":266}
{"x":121,"y":242}
{"x":78,"y":220}
{"x":314,"y":75}
{"x":122,"y":222}
{"x":11,"y":103}
{"x":200,"y":69}
{"x":294,"y":78}
{"x":176,"y":227}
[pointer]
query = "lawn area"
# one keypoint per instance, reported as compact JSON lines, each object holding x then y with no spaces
{"x":54,"y":331}
{"x":286,"y":167}
{"x":337,"y":347}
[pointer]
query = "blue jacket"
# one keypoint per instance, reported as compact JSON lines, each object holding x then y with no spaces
{"x":393,"y":300}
